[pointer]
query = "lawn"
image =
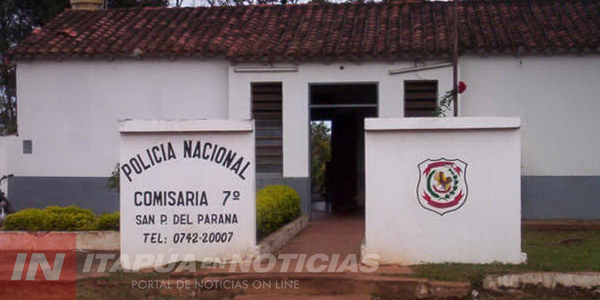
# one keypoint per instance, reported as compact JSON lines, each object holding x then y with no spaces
{"x":547,"y":250}
{"x":118,"y":286}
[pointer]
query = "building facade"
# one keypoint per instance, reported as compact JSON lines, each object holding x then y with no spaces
{"x":70,"y":102}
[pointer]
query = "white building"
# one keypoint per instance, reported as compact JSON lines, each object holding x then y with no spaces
{"x":287,"y":65}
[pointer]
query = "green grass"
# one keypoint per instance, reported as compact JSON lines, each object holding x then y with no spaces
{"x":560,"y":251}
{"x":117,"y":286}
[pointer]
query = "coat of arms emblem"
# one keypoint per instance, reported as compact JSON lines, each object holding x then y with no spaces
{"x":442,"y":186}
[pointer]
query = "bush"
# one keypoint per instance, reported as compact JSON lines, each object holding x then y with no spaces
{"x":70,"y":218}
{"x":276,"y":205}
{"x":27,"y":219}
{"x":109,"y":221}
{"x":52,"y":218}
{"x":71,"y":209}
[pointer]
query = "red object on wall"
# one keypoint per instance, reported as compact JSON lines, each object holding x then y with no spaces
{"x":462,"y":87}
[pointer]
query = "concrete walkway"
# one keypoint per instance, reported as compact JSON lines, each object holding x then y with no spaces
{"x":338,"y":237}
{"x":329,"y":234}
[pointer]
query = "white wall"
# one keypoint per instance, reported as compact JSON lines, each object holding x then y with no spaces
{"x":3,"y":157}
{"x":192,"y":175}
{"x":6,"y":143}
{"x":483,"y":226}
{"x":296,"y":98}
{"x":70,"y":109}
{"x":557,"y":98}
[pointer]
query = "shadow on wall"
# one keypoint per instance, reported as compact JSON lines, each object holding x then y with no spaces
{"x":86,"y":192}
{"x":560,"y":197}
{"x":543,"y":197}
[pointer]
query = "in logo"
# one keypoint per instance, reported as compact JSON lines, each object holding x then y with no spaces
{"x":442,"y":186}
{"x":46,"y":270}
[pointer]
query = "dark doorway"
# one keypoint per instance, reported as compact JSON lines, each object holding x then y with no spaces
{"x":343,"y":107}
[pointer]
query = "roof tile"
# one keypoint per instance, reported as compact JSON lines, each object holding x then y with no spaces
{"x":367,"y":31}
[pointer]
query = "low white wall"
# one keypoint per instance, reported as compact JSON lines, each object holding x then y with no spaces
{"x":187,"y":190}
{"x":59,"y":240}
{"x":278,"y":239}
{"x":98,"y":240}
{"x":482,"y":226}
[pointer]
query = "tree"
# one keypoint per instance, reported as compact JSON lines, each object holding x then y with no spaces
{"x":17,"y":20}
{"x":320,"y":152}
{"x":242,"y":2}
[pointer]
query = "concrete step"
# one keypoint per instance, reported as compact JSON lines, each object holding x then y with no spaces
{"x":283,"y":285}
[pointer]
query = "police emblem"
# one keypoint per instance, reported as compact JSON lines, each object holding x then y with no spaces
{"x":442,"y":186}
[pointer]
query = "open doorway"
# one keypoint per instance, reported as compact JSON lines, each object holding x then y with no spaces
{"x":337,"y":125}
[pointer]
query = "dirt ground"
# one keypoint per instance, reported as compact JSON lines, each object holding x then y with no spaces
{"x":561,"y":225}
{"x":535,"y":294}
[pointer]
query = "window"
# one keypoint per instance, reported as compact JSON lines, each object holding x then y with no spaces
{"x":267,"y":114}
{"x":420,"y":98}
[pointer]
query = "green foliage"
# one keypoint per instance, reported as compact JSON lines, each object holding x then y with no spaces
{"x":56,"y":218}
{"x":109,"y":221}
{"x":547,"y":251}
{"x":27,"y":219}
{"x":446,"y":102}
{"x":444,"y":105}
{"x":66,"y":210}
{"x":320,"y":153}
{"x":114,"y":179}
{"x":17,"y":20}
{"x":70,"y":218}
{"x":276,"y":205}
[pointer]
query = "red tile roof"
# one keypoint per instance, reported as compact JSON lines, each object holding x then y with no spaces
{"x":373,"y":31}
